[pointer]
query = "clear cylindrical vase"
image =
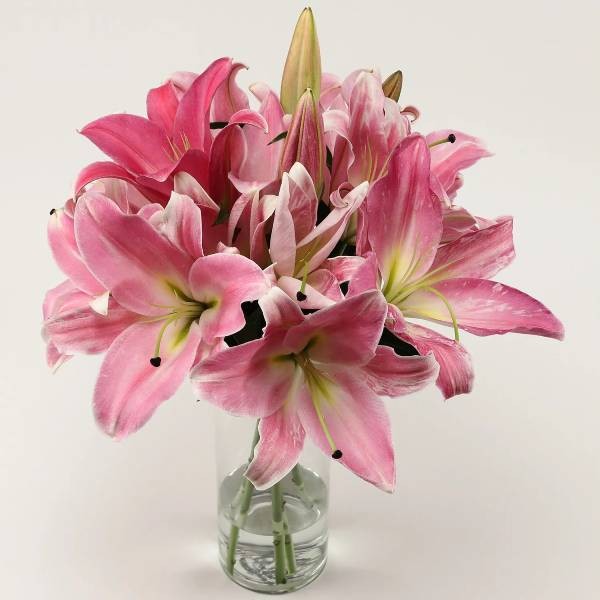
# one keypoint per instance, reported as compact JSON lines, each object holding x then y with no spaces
{"x":273,"y":540}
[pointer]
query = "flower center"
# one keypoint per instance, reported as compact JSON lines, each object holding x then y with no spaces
{"x":182,"y":313}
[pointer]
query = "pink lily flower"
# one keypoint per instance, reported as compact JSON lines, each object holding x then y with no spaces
{"x":184,"y":303}
{"x":299,"y":248}
{"x":318,"y":375}
{"x":175,"y":137}
{"x":446,"y":284}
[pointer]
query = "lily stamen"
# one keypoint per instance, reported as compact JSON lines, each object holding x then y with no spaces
{"x":301,"y":294}
{"x":314,"y":378}
{"x":450,"y":139}
{"x":450,"y":310}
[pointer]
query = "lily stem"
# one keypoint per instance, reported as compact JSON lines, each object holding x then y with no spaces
{"x":244,"y":497}
{"x":298,"y":481}
{"x":290,"y":553}
{"x":278,"y":533}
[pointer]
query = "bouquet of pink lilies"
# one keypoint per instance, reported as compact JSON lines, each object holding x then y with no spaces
{"x":284,"y":257}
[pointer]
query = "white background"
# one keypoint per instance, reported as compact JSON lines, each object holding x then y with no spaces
{"x":499,"y":492}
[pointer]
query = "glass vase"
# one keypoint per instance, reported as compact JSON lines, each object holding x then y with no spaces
{"x":274,"y":540}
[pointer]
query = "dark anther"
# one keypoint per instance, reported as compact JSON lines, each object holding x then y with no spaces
{"x":155,"y":361}
{"x":452,"y":138}
{"x":337,"y":454}
{"x":300,"y":296}
{"x":218,"y":124}
{"x":52,"y":211}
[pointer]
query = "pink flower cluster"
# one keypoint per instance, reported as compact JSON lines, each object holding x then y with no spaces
{"x":283,"y":261}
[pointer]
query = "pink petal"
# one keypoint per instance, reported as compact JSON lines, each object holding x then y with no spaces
{"x":81,"y":330}
{"x":303,"y":201}
{"x":223,"y":282}
{"x":262,"y":161}
{"x":212,"y":233}
{"x":279,"y":310}
{"x":457,"y":221}
{"x":229,"y":97}
{"x":192,"y":121}
{"x":325,"y":283}
{"x":345,"y":333}
{"x":366,"y":132}
{"x":131,"y":259}
{"x":404,"y":220}
{"x":183,"y":225}
{"x":343,"y":268}
{"x":54,"y":358}
{"x":484,"y":307}
{"x":157,"y":192}
{"x":133,"y":142}
{"x":388,"y":374}
{"x":129,"y":389}
{"x":279,"y":447}
{"x":313,"y":249}
{"x":61,"y":237}
{"x":456,"y":370}
{"x":161,"y":106}
{"x":249,"y":380}
{"x":447,"y":160}
{"x":366,"y":277}
{"x":331,"y":87}
{"x":282,"y":246}
{"x":228,"y":154}
{"x":314,"y":298}
{"x":478,"y":254}
{"x":358,"y":423}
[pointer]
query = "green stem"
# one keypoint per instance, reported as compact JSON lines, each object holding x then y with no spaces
{"x":278,"y":533}
{"x":244,"y":497}
{"x":290,"y":553}
{"x":298,"y":481}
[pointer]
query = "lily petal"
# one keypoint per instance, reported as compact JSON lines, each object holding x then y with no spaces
{"x":161,"y":106}
{"x":313,"y":249}
{"x":223,"y":282}
{"x":447,"y":160}
{"x":345,"y":333}
{"x":479,"y":254}
{"x":82,"y":330}
{"x":133,"y":142}
{"x":280,"y":444}
{"x":358,"y":423}
{"x":404,"y":220}
{"x":129,"y":388}
{"x":456,"y":370}
{"x":192,"y":121}
{"x":366,"y":131}
{"x":388,"y":374}
{"x":246,"y":380}
{"x":229,"y":97}
{"x":484,"y":307}
{"x":183,"y":225}
{"x":61,"y":238}
{"x":128,"y":256}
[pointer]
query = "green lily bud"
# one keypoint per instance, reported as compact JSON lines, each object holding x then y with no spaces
{"x":305,"y":142}
{"x":303,"y":64}
{"x":392,"y":86}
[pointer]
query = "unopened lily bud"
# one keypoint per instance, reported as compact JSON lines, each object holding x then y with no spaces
{"x":392,"y":86}
{"x":303,"y":64}
{"x":305,"y":142}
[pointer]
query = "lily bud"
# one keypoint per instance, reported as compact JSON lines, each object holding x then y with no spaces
{"x":305,"y":142}
{"x":303,"y":64}
{"x":392,"y":86}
